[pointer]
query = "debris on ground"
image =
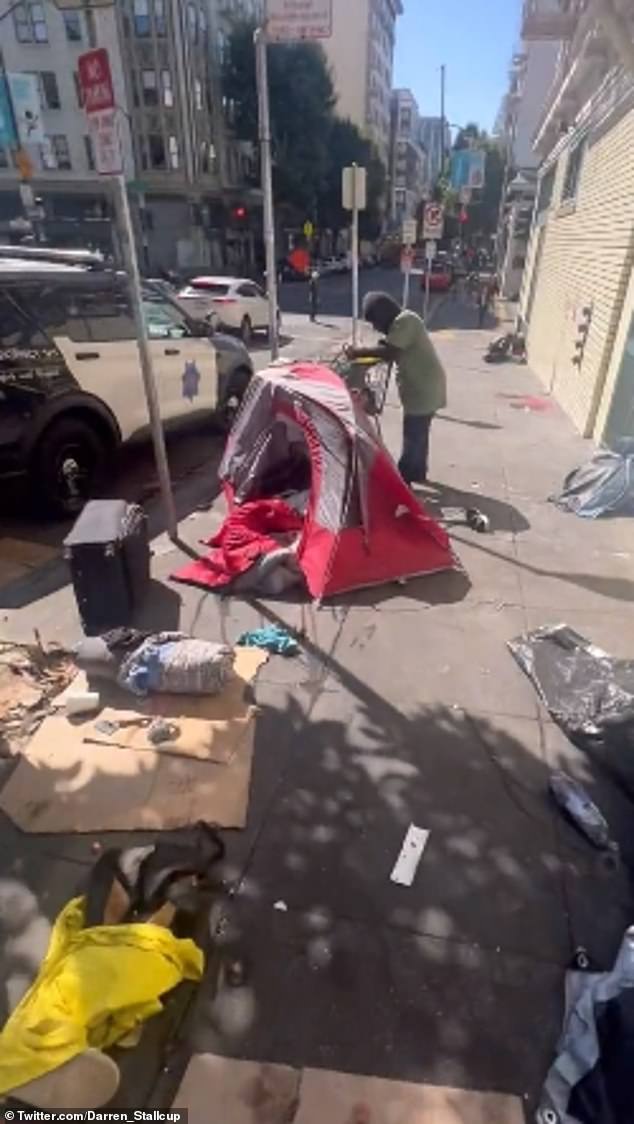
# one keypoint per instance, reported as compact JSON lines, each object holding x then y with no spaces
{"x":410,"y":855}
{"x":162,"y":662}
{"x":465,"y":517}
{"x":273,"y":639}
{"x":30,"y":676}
{"x":602,"y":486}
{"x":111,"y":957}
{"x":573,"y":799}
{"x":591,"y":1079}
{"x":588,"y":693}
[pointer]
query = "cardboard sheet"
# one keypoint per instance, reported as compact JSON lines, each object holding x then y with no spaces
{"x":311,"y":1096}
{"x":65,"y":783}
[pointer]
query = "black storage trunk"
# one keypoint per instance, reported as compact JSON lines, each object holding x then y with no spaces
{"x":109,"y":558}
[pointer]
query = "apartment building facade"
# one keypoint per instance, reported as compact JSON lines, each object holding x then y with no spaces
{"x":179,"y":161}
{"x":407,"y":170}
{"x":577,"y":298}
{"x":531,"y":75}
{"x":361,"y":57}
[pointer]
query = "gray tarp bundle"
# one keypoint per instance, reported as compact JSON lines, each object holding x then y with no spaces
{"x":589,"y":694}
{"x":592,"y":1079}
{"x":603,"y":486}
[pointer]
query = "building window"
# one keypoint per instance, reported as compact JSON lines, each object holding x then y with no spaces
{"x":61,"y":152}
{"x":573,"y":171}
{"x":90,"y":153}
{"x":204,"y":158}
{"x":49,"y":92}
{"x":160,"y":24}
{"x":30,"y":23}
{"x":156,"y":147}
{"x":546,"y":187}
{"x":4,"y":158}
{"x":150,"y":92}
{"x":72,"y":23}
{"x":202,"y":21}
{"x":198,"y":93}
{"x":168,"y":92}
{"x":173,"y":150}
{"x":141,"y":10}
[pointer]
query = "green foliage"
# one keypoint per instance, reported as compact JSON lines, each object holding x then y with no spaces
{"x":310,"y":143}
{"x":346,"y":146}
{"x":485,"y":205}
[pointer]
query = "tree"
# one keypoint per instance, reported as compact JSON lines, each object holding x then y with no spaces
{"x":484,"y":208}
{"x":311,"y":144}
{"x":347,"y":146}
{"x":302,"y":109}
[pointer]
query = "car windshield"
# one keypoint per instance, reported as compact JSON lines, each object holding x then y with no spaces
{"x":210,"y":287}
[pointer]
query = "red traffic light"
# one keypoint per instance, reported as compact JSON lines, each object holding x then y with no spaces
{"x":239,"y":213}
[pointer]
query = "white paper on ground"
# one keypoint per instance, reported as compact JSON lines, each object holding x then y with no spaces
{"x":407,"y":862}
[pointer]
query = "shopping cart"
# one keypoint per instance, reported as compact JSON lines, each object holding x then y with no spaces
{"x":367,"y":379}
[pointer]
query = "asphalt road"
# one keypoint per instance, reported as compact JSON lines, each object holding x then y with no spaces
{"x":335,"y":291}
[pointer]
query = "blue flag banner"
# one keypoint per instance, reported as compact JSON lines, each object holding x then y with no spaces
{"x":8,"y":138}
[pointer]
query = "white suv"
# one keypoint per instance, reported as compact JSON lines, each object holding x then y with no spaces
{"x":70,"y":380}
{"x":238,"y":303}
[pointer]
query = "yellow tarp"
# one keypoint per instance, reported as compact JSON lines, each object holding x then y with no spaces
{"x":94,"y":986}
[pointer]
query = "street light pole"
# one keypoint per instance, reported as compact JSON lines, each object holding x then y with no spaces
{"x":266,"y":162}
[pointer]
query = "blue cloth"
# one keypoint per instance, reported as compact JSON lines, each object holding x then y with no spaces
{"x":272,"y":639}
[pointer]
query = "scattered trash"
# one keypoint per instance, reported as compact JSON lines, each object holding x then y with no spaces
{"x":30,"y":676}
{"x":410,"y":855}
{"x":509,"y":346}
{"x":532,"y":403}
{"x":161,"y":731}
{"x":590,"y":1080}
{"x":105,"y":971}
{"x":280,"y":906}
{"x":478,"y":521}
{"x":603,"y":486}
{"x":272,"y":639}
{"x":572,"y":798}
{"x":176,"y":664}
{"x":589,"y":694}
{"x":84,"y":702}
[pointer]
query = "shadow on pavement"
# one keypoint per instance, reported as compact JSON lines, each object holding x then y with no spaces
{"x":471,"y":422}
{"x":502,"y":516}
{"x":194,"y":461}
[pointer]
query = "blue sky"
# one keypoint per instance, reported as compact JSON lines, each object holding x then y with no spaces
{"x":474,"y":38}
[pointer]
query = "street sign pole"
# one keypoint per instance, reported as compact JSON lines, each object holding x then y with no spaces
{"x":355,"y":256}
{"x":264,"y":112}
{"x":98,"y":97}
{"x":429,"y":257}
{"x":130,"y":261}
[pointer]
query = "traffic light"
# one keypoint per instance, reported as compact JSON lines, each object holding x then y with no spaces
{"x":239,"y":213}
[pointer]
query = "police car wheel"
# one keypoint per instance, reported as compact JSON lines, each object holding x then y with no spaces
{"x":68,"y":466}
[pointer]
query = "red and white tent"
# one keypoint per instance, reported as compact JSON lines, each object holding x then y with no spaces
{"x":300,"y":433}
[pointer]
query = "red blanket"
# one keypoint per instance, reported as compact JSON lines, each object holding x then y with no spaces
{"x":245,"y":536}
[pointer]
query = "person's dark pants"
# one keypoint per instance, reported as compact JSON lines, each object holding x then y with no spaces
{"x":413,"y":463}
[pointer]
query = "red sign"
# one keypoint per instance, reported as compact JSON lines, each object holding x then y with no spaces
{"x":463,"y":216}
{"x":95,"y":81}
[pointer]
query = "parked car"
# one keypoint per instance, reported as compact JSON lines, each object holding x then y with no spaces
{"x":240,"y":305}
{"x":169,"y":290}
{"x":441,"y":275}
{"x":71,"y":390}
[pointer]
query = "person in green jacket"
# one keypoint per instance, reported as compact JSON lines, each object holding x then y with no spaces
{"x":420,"y":376}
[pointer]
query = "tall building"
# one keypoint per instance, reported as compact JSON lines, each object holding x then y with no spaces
{"x":361,"y":54}
{"x":530,"y":77}
{"x":407,"y":158}
{"x":431,"y":138}
{"x":577,"y":299}
{"x":179,"y":161}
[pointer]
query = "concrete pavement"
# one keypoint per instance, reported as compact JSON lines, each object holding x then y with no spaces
{"x":406,"y":707}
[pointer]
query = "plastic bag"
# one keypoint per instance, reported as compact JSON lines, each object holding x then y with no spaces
{"x":176,"y":664}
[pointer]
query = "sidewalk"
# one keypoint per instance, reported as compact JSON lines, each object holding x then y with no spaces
{"x":406,"y":707}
